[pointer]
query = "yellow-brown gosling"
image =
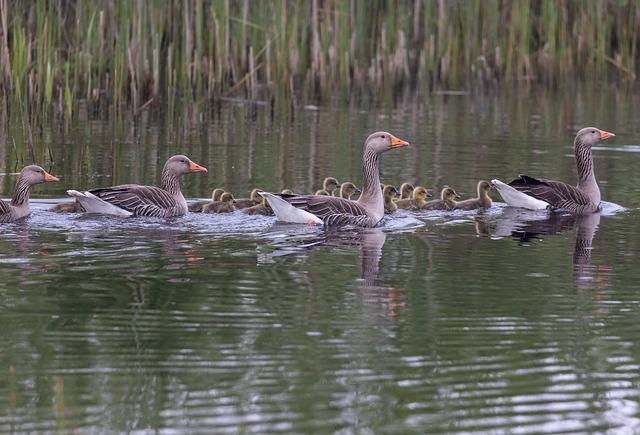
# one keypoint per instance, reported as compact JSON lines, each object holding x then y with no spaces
{"x":347,"y":189}
{"x":447,"y":201}
{"x":198,"y":205}
{"x":416,"y":202}
{"x":254,"y":199}
{"x":406,"y":191}
{"x":225,"y":205}
{"x":389,"y":193}
{"x":482,"y":201}
{"x":67,"y":207}
{"x":262,"y":209}
{"x":330,"y":184}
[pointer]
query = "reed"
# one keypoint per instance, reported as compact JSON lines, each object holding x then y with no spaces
{"x":116,"y":54}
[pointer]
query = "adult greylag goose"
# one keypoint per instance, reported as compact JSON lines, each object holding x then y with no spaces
{"x":254,"y":199}
{"x":366,"y":212}
{"x":390,"y":193}
{"x":225,"y":205}
{"x":406,"y":191}
{"x":67,"y":207}
{"x":197,"y":206}
{"x":347,"y":189}
{"x":417,"y":200}
{"x":482,"y":201}
{"x":539,"y":193}
{"x":447,"y":201}
{"x":18,"y":207}
{"x":139,"y":200}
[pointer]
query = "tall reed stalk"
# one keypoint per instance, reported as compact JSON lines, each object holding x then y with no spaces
{"x":144,"y":54}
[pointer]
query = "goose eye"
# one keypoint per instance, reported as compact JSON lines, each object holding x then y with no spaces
{"x":383,"y":136}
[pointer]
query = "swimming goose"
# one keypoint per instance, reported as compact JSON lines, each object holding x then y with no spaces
{"x":539,"y":193}
{"x":389,"y":193}
{"x":139,"y":200}
{"x":19,"y":205}
{"x":254,"y":199}
{"x":482,"y":201}
{"x":347,"y":189}
{"x":406,"y":190}
{"x":447,"y":201}
{"x":198,"y":205}
{"x":366,"y":212}
{"x":67,"y":207}
{"x":417,"y":200}
{"x":225,"y":205}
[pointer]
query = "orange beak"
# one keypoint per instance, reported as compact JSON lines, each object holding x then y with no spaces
{"x":49,"y":177}
{"x":194,"y":167}
{"x":397,"y":143}
{"x":606,"y":135}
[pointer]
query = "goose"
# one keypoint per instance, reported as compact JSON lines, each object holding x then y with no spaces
{"x":225,"y":205}
{"x":406,"y":190}
{"x":198,"y":205}
{"x":322,"y":192}
{"x":330,"y":184}
{"x":417,"y":200}
{"x":139,"y":200}
{"x":18,"y":207}
{"x":482,"y":201}
{"x":366,"y":212}
{"x":539,"y":193}
{"x":254,"y":199}
{"x":447,"y":201}
{"x":389,"y":193}
{"x":347,"y":189}
{"x":67,"y":207}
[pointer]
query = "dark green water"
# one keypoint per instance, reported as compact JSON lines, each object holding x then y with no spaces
{"x":504,"y":322}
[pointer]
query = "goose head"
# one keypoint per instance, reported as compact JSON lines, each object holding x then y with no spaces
{"x":216,"y":194}
{"x":449,"y":195}
{"x":419,"y":193}
{"x":180,"y":165}
{"x":347,"y":189}
{"x":589,"y":136}
{"x":406,"y":190}
{"x":330,"y":184}
{"x":227,"y":198}
{"x":389,"y":192}
{"x":483,"y":188}
{"x":34,"y":174}
{"x":382,"y":141}
{"x":255,"y":196}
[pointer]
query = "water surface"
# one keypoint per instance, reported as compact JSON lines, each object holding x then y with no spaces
{"x":503,"y":321}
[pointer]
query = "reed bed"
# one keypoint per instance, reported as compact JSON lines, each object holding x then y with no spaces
{"x":141,"y":54}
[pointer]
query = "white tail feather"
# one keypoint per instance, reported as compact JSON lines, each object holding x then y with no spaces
{"x":515,"y":198}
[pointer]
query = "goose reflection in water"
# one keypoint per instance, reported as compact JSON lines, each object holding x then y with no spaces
{"x":370,"y":242}
{"x":524,"y":226}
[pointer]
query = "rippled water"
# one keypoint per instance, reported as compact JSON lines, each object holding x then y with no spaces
{"x":506,"y":321}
